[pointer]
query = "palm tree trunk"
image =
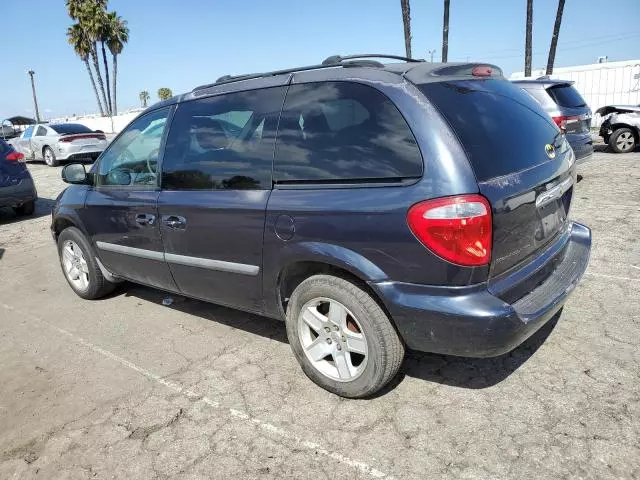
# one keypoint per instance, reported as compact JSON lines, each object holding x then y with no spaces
{"x":96,"y":65}
{"x":445,"y":32}
{"x":406,"y":21}
{"x":115,"y":75}
{"x":106,"y":78}
{"x":527,"y":39}
{"x":93,"y":83}
{"x":554,"y":38}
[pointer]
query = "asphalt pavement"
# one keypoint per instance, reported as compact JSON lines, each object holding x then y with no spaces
{"x":125,"y":387}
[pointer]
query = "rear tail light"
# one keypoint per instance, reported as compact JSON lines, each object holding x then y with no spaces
{"x":562,"y":120}
{"x":15,"y":157}
{"x":457,"y":229}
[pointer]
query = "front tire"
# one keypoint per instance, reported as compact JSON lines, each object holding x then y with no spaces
{"x":79,"y":266}
{"x":342,"y":338}
{"x":50,"y":157}
{"x":622,"y":141}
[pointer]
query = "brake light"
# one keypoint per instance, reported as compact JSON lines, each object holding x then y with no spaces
{"x":15,"y":157}
{"x":562,"y":120}
{"x":482,"y":71}
{"x":457,"y":229}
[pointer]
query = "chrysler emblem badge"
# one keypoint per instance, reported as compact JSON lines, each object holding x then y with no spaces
{"x":550,"y":150}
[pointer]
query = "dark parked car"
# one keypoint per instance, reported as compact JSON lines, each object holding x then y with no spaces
{"x":373,"y":207}
{"x":564,"y":104}
{"x":16,"y":185}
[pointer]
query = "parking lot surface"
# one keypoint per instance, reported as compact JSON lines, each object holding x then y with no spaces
{"x":128,"y":388}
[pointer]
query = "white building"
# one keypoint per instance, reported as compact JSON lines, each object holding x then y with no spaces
{"x":608,"y":83}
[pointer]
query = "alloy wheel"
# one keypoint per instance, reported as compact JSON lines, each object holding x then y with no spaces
{"x":75,"y":265}
{"x":625,"y":141}
{"x":332,"y":339}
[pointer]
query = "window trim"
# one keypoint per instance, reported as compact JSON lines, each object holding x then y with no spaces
{"x":96,"y":166}
{"x":344,"y":183}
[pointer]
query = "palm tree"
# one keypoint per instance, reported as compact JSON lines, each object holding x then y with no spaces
{"x":445,"y":32}
{"x":91,"y":18}
{"x":144,"y":98}
{"x":82,"y":46}
{"x":406,"y":21}
{"x":118,"y":35}
{"x":164,"y":93}
{"x":554,"y":38}
{"x":527,"y":39}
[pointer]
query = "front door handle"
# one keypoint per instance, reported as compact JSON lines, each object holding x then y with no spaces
{"x":174,"y":221}
{"x":145,"y":219}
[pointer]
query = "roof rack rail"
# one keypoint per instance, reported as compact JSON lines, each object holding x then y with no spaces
{"x":333,"y":61}
{"x":338,"y":59}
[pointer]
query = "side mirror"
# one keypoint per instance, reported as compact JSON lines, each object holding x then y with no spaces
{"x":75,"y":173}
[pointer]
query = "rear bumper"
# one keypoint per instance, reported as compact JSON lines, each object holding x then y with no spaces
{"x":582,"y":145}
{"x":15,"y":195}
{"x":481,"y":320}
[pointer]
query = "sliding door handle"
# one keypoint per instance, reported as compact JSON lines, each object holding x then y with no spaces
{"x":145,"y":219}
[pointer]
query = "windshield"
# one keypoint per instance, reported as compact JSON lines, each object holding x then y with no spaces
{"x":70,"y":128}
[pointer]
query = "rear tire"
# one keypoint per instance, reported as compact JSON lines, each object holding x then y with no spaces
{"x":365,"y":328}
{"x":50,"y":157}
{"x":622,"y":141}
{"x":79,"y":266}
{"x":26,"y":208}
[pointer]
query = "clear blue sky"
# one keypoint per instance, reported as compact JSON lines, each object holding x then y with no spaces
{"x":183,"y":43}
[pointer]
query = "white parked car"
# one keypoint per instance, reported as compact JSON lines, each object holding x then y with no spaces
{"x":65,"y":141}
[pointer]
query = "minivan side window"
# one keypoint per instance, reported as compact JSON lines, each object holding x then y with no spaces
{"x":132,"y":159}
{"x":224,"y":142}
{"x":343,"y":131}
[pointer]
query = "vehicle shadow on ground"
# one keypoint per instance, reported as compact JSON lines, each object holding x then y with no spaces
{"x":43,"y":208}
{"x":462,"y":372}
{"x":248,"y":322}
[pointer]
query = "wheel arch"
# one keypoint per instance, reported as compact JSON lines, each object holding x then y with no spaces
{"x":634,"y":130}
{"x":296,"y":272}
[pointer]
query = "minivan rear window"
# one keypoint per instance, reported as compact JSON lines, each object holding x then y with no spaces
{"x":501,"y":127}
{"x":566,"y":96}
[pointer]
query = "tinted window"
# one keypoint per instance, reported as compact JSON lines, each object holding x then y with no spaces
{"x":132,"y":158}
{"x":566,"y":96}
{"x":71,"y":128}
{"x":41,"y":132}
{"x":223,"y":142}
{"x":341,"y":131}
{"x":502,"y":128}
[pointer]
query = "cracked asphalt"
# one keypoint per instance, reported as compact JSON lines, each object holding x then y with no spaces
{"x":127,"y":388}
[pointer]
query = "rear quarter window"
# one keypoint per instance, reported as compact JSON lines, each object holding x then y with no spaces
{"x":502,"y":128}
{"x":340,"y":132}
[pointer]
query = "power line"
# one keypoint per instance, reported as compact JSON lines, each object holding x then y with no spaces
{"x":594,"y":41}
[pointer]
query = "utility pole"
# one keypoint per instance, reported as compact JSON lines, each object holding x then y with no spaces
{"x":445,"y":33}
{"x":431,"y":52}
{"x":33,"y":90}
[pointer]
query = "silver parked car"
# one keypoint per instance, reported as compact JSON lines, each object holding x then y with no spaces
{"x":65,"y":141}
{"x":621,"y":127}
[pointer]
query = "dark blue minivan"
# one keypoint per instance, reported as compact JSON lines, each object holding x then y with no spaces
{"x":373,"y":207}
